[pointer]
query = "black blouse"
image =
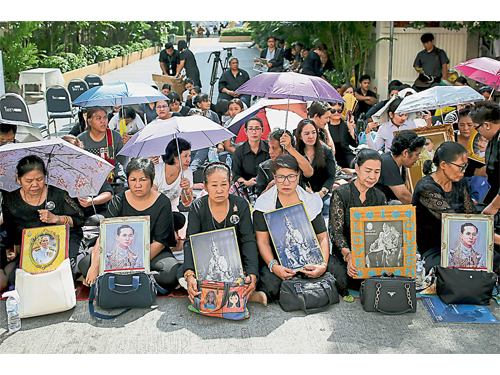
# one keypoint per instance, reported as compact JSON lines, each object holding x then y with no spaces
{"x":325,"y":176}
{"x":19,"y":215}
{"x":160,"y":217}
{"x":200,"y":220}
{"x":343,"y":199}
{"x":342,"y":140}
{"x":430,"y":201}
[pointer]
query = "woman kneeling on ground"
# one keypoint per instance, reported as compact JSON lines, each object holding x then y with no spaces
{"x":142,"y":200}
{"x":358,"y":193}
{"x":219,"y":210}
{"x":286,"y":192}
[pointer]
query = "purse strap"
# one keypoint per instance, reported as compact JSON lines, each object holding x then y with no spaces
{"x":99,"y":315}
{"x":300,"y":295}
{"x":408,"y":296}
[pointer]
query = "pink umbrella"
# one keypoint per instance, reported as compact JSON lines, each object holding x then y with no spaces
{"x":483,"y":69}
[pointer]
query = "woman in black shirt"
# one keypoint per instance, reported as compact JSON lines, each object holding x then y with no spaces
{"x":343,"y":136}
{"x":142,"y":200}
{"x":286,"y":192}
{"x":358,"y":193}
{"x":220,"y":210}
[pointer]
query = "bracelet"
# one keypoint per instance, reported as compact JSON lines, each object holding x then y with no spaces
{"x":346,"y":255}
{"x":271,"y":264}
{"x":187,"y":274}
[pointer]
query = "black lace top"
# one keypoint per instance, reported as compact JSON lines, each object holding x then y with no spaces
{"x":343,"y":198}
{"x":430,"y":201}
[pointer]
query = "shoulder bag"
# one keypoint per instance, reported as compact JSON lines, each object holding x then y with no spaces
{"x":118,"y":291}
{"x":308,"y":294}
{"x":220,"y":300}
{"x":390,"y":295}
{"x":424,"y":81}
{"x":456,"y":286}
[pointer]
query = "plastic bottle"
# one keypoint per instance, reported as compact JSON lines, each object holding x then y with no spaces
{"x":212,"y":155}
{"x":420,"y":270}
{"x":12,"y":307}
{"x":229,"y":161}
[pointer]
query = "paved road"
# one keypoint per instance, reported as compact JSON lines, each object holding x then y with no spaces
{"x":171,"y":328}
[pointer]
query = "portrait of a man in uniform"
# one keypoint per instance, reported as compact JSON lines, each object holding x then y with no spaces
{"x":464,"y":255}
{"x":44,"y":253}
{"x":122,"y":255}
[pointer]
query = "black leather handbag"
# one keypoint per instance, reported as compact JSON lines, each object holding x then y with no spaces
{"x":455,"y":286}
{"x":308,"y":294}
{"x":123,"y":291}
{"x":390,"y":295}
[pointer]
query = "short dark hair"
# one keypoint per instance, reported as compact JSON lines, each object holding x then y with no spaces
{"x":271,"y":37}
{"x":427,"y":37}
{"x":171,"y":151}
{"x":406,"y":140}
{"x":167,"y":86}
{"x":30,"y":163}
{"x":122,"y":227}
{"x":169,"y":45}
{"x":197,"y":89}
{"x":236,"y":101}
{"x":485,"y":110}
{"x":277,"y":133}
{"x":216,"y":166}
{"x":394,"y":105}
{"x":366,"y":154}
{"x":364,"y":77}
{"x":181,"y":44}
{"x":285,"y":161}
{"x":394,"y":84}
{"x":254,"y":118}
{"x":144,"y":165}
{"x":464,"y":112}
{"x":318,"y":108}
{"x":127,"y":112}
{"x":221,"y":107}
{"x":188,"y":80}
{"x":174,"y":96}
{"x":462,"y":80}
{"x":462,"y":227}
{"x":200,"y":98}
{"x":7,"y":128}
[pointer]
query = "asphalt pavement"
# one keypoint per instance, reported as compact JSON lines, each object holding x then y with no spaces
{"x":169,"y":328}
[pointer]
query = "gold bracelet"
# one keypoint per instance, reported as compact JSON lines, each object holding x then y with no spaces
{"x":187,"y":274}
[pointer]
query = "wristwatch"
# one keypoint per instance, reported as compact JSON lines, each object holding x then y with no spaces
{"x":325,"y":190}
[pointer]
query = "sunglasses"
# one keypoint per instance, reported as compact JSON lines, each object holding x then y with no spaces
{"x":462,"y":167}
{"x":337,"y":110}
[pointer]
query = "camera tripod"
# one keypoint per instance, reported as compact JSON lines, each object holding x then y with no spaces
{"x":218,"y":64}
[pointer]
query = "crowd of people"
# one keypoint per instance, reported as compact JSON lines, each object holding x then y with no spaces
{"x":286,"y":168}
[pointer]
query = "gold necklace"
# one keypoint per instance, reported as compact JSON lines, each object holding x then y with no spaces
{"x":212,"y":215}
{"x":39,"y":198}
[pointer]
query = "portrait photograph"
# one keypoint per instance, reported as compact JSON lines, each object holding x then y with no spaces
{"x":44,"y":248}
{"x":383,"y":240}
{"x":216,"y":256}
{"x":125,"y":245}
{"x":467,"y":242}
{"x":476,"y":147}
{"x":435,"y":135}
{"x":293,"y":237}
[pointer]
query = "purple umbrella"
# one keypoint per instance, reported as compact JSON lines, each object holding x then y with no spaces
{"x":290,"y":85}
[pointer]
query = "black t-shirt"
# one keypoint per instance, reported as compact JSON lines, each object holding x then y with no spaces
{"x":312,"y":65}
{"x":428,"y":62}
{"x":170,"y":61}
{"x":362,"y":106}
{"x":191,"y":66}
{"x":390,"y":175}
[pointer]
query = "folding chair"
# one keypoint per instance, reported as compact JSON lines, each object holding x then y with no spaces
{"x":93,"y":80}
{"x":14,"y":108}
{"x":76,"y":87}
{"x":58,"y":104}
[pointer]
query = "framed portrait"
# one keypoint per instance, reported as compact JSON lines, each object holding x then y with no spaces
{"x":124,"y":246}
{"x":43,"y":249}
{"x":216,"y":256}
{"x":476,"y":147}
{"x":435,"y":135}
{"x":467,"y":242}
{"x":383,"y":240}
{"x":293,"y":237}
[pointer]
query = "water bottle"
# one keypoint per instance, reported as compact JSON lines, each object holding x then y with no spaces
{"x":420,"y":270}
{"x":12,"y":306}
{"x":229,"y":161}
{"x":212,"y":155}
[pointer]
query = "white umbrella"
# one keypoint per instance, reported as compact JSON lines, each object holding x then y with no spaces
{"x":26,"y":132}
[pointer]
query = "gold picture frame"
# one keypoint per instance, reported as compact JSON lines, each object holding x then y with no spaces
{"x":438,"y":134}
{"x":383,"y":240}
{"x":476,"y":232}
{"x":476,"y":148}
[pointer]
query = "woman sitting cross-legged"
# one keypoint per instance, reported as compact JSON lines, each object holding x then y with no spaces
{"x":220,"y":210}
{"x":286,"y":192}
{"x":142,"y":200}
{"x":358,"y":193}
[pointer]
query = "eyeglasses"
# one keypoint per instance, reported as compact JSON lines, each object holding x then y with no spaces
{"x":281,"y":178}
{"x":162,"y":106}
{"x":337,"y":110}
{"x":477,"y":127}
{"x":462,"y":167}
{"x":253,"y":130}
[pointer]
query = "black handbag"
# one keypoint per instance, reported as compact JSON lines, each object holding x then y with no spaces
{"x":123,"y":291}
{"x":390,"y":295}
{"x":308,"y":294}
{"x":455,"y":286}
